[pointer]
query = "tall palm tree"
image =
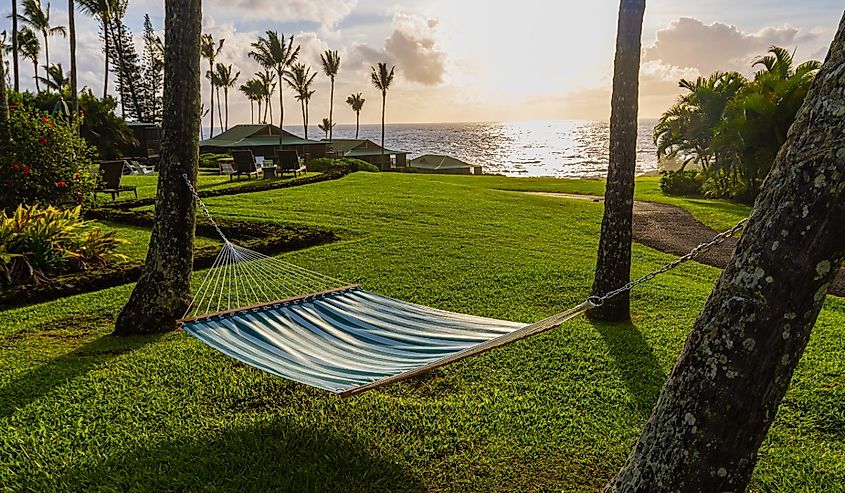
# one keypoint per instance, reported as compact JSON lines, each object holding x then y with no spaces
{"x":357,"y":104}
{"x":381,"y":80}
{"x":252,"y":91}
{"x":30,"y":48}
{"x":104,"y":11}
{"x":325,"y":126}
{"x":71,"y":12}
{"x":56,"y":80}
{"x":273,"y":53}
{"x":299,"y":78}
{"x":209,"y":49}
{"x":5,"y":133}
{"x":331,"y":66}
{"x":38,"y":18}
{"x":226,"y":80}
{"x":613,"y":269}
{"x":15,"y":45}
{"x":268,"y":87}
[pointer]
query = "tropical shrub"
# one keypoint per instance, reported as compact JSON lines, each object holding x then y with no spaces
{"x":101,"y":127}
{"x":323,"y":164}
{"x":37,"y":242}
{"x":681,"y":182}
{"x":732,"y":127}
{"x":47,"y":162}
{"x":209,"y":160}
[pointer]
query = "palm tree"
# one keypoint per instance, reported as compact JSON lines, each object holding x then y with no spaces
{"x":331,"y":66}
{"x":5,"y":133}
{"x":38,"y":19}
{"x":268,"y":87}
{"x":381,"y":80}
{"x":299,"y":78}
{"x":30,"y":48}
{"x":357,"y":104}
{"x":56,"y":80}
{"x":252,"y":90}
{"x":325,"y":126}
{"x":15,"y":44}
{"x":226,"y":80}
{"x":104,"y":11}
{"x":273,"y":53}
{"x":71,"y":12}
{"x":209,"y":49}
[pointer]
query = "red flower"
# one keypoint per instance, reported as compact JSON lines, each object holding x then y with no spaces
{"x":61,"y":184}
{"x":42,"y":140}
{"x":25,"y":170}
{"x":16,"y":166}
{"x":45,"y":120}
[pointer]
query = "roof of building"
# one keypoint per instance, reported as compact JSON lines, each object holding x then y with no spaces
{"x":255,"y":136}
{"x":437,"y":161}
{"x":358,"y":148}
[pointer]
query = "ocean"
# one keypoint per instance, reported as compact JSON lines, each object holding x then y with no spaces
{"x":566,"y":148}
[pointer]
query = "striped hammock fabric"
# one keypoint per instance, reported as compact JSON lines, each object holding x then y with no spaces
{"x":345,"y":340}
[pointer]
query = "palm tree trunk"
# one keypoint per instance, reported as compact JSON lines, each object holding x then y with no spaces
{"x":211,"y":90}
{"x":226,"y":95}
{"x":35,"y":68}
{"x":724,"y":392}
{"x":383,"y":105}
{"x":251,"y":111}
{"x":71,"y":9}
{"x":106,"y":63}
{"x":281,"y":109}
{"x":261,"y":117}
{"x":17,"y":81}
{"x":162,"y":293}
{"x":219,"y":109}
{"x":331,"y":110}
{"x":613,"y":268}
{"x":46,"y":50}
{"x":357,"y":122}
{"x":5,"y":135}
{"x":304,"y":121}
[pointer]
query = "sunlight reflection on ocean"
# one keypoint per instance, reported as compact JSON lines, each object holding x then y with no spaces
{"x":539,"y":148}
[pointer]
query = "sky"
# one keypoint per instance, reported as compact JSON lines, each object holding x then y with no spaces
{"x":475,"y":60}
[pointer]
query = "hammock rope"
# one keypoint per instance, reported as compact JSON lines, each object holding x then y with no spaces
{"x":314,"y":329}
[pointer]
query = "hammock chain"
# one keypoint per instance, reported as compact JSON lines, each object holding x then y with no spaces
{"x":204,"y":209}
{"x":695,"y":252}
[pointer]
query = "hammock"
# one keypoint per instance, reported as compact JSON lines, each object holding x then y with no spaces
{"x":339,"y":337}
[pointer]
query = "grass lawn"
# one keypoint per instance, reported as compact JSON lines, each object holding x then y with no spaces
{"x":138,"y":239}
{"x":82,"y":410}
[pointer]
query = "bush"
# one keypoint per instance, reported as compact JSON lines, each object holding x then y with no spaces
{"x":37,"y":242}
{"x":209,"y":160}
{"x":47,"y":162}
{"x":323,"y":164}
{"x":681,"y":182}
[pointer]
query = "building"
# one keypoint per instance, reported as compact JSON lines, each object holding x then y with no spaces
{"x":367,"y":150}
{"x":444,"y":165}
{"x":263,"y":140}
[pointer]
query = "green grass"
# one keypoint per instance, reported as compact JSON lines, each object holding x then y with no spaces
{"x":82,"y":410}
{"x":138,"y":239}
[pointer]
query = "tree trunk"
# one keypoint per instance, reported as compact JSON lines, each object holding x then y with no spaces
{"x":724,"y":391}
{"x":106,"y":63}
{"x":163,"y":291}
{"x":383,"y":105}
{"x":17,"y":80}
{"x":304,"y":120}
{"x":613,"y":268}
{"x":71,"y":10}
{"x":281,"y":109}
{"x":251,"y":111}
{"x":219,"y":110}
{"x":35,"y":68}
{"x":331,"y":111}
{"x":46,"y":51}
{"x":5,"y":135}
{"x":211,"y":89}
{"x":226,"y":104}
{"x":357,"y":122}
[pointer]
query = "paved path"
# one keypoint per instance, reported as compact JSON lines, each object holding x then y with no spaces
{"x":671,"y":229}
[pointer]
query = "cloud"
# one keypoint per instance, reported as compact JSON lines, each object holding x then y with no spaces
{"x":689,"y":43}
{"x":325,"y":12}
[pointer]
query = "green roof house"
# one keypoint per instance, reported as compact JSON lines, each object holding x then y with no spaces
{"x":369,"y":151}
{"x":444,"y":165}
{"x":263,"y":140}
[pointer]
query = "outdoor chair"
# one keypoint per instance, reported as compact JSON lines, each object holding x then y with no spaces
{"x":288,"y":162}
{"x":244,"y":164}
{"x":111,"y":172}
{"x":225,"y":166}
{"x":139,"y":169}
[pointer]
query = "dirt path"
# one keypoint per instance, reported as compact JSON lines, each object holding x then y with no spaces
{"x":671,"y":229}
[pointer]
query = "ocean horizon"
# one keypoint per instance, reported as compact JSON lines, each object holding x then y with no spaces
{"x":559,"y":148}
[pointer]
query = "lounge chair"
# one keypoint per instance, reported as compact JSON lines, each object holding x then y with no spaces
{"x":111,"y":173}
{"x":139,"y":169}
{"x":288,"y":162}
{"x":225,"y":166}
{"x":244,"y":164}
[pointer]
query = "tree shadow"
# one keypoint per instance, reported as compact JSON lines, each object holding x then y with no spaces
{"x":276,"y":454}
{"x":34,"y":384}
{"x":636,"y":362}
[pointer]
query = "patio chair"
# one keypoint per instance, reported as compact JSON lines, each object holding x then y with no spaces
{"x":244,"y":164}
{"x":139,"y":169}
{"x":225,"y":166}
{"x":111,"y":173}
{"x":288,"y":162}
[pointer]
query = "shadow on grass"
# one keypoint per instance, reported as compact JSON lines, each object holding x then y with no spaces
{"x":273,"y":455}
{"x":636,"y":363}
{"x":32,"y":385}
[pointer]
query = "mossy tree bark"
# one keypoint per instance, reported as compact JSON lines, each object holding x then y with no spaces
{"x":725,"y":389}
{"x":613,"y":268}
{"x":163,"y":291}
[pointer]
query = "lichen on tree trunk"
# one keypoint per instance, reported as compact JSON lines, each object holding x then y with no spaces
{"x":163,"y":291}
{"x":725,"y":389}
{"x":613,"y":267}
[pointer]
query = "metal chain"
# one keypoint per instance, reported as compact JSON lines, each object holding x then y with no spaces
{"x":204,"y":208}
{"x":695,"y":252}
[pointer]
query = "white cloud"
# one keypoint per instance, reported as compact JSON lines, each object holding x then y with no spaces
{"x":325,"y":12}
